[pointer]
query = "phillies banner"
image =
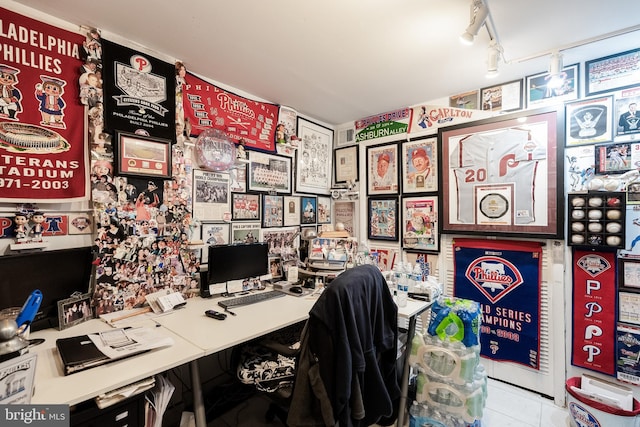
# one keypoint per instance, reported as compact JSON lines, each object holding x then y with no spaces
{"x":43,"y":152}
{"x":381,"y":125}
{"x":504,"y":277}
{"x":428,"y":118}
{"x":595,"y":303}
{"x":208,"y":106}
{"x":139,"y":92}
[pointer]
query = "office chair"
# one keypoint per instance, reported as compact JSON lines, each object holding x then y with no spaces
{"x":344,"y":369}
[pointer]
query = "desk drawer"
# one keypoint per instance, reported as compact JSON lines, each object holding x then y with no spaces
{"x":129,"y":413}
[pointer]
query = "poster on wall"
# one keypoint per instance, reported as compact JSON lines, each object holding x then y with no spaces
{"x":595,"y":301}
{"x":381,"y":125}
{"x":208,"y":106}
{"x":43,"y":148}
{"x":139,"y":92}
{"x":505,"y":278}
{"x":428,"y":118}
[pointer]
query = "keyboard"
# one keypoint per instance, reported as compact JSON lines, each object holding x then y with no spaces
{"x":250,"y":299}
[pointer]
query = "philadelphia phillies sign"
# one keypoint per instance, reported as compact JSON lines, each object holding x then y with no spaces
{"x":504,"y":277}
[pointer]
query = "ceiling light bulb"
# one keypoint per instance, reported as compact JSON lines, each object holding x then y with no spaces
{"x":555,"y":64}
{"x":479,"y":12}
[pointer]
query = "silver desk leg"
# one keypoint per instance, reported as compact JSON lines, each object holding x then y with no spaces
{"x":198,"y":403}
{"x":405,"y":372}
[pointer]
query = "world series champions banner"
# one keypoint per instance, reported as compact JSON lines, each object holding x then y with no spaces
{"x":43,"y":149}
{"x":595,"y":303}
{"x":504,"y":277}
{"x":139,"y":92}
{"x":208,"y":106}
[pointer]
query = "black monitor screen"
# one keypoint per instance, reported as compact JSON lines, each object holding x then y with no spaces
{"x":237,"y":262}
{"x":57,"y":273}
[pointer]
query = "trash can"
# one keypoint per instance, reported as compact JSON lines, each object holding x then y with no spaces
{"x":586,"y":412}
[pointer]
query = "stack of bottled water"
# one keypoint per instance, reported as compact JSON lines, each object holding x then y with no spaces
{"x":451,"y":382}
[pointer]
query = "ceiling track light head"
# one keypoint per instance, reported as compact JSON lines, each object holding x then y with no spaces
{"x":479,"y":13}
{"x":494,"y":52}
{"x":555,"y":63}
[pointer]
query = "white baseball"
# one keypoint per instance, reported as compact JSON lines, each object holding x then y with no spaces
{"x":595,"y":202}
{"x":577,"y":238}
{"x":614,"y":227}
{"x":613,"y":240}
{"x":611,"y":184}
{"x":577,"y":214}
{"x":595,"y":214}
{"x":596,"y":184}
{"x":577,"y":202}
{"x":614,"y":214}
{"x":577,"y":226}
{"x":595,"y":227}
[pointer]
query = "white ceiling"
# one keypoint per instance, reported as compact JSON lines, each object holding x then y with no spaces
{"x":342,"y":60}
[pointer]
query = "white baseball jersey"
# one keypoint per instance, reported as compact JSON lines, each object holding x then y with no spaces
{"x":507,"y":156}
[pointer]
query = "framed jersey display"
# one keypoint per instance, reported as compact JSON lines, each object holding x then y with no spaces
{"x":502,"y":175}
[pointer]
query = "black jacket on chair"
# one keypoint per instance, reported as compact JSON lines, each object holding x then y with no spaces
{"x":347,"y":367}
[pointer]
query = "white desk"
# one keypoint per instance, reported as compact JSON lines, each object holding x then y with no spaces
{"x":52,"y":386}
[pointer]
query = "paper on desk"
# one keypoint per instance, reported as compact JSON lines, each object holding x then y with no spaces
{"x":119,"y":343}
{"x":114,"y":396}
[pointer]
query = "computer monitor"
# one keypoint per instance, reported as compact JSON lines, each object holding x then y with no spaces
{"x":57,"y":273}
{"x":237,"y":262}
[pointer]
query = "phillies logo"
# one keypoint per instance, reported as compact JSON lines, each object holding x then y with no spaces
{"x":140,"y":63}
{"x":593,"y":265}
{"x":495,"y":277}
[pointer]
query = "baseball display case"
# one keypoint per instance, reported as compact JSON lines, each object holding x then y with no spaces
{"x":596,"y":219}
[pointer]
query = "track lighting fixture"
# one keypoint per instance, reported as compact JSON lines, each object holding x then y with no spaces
{"x":493,"y":58}
{"x":555,"y":64}
{"x":479,"y":12}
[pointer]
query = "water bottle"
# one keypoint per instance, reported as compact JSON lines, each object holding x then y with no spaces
{"x":403,"y":291}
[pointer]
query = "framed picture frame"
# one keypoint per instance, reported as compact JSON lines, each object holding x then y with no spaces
{"x":467,"y":100}
{"x":420,"y":224}
{"x":612,"y":72}
{"x":629,"y":307}
{"x":215,"y":234}
{"x":324,"y":210}
{"x":616,"y":157}
{"x":74,"y":310}
{"x":245,"y":206}
{"x":269,"y":173}
{"x":420,"y":165}
{"x":382,"y":216}
{"x":145,"y":156}
{"x":479,"y":194}
{"x":545,"y":89}
{"x":314,"y":166}
{"x":347,"y":164}
{"x":308,"y":210}
{"x":245,"y":232}
{"x":503,"y":97}
{"x":626,"y":115}
{"x":238,"y":178}
{"x":382,"y":169}
{"x":346,"y":212}
{"x":210,"y":195}
{"x":291,"y":210}
{"x":629,"y":274}
{"x":589,"y":121}
{"x":275,"y":268}
{"x":272,"y":211}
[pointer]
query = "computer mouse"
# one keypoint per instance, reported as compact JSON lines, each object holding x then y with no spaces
{"x":295,"y":289}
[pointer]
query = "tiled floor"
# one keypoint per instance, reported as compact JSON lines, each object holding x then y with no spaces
{"x":507,"y":406}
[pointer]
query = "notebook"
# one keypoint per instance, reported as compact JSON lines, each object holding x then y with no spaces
{"x":79,"y":353}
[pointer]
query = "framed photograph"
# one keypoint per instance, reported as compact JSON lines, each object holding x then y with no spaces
{"x":215,"y":234}
{"x":468,"y":100}
{"x":420,"y":165}
{"x":627,"y":116}
{"x":383,"y":257}
{"x":74,"y":310}
{"x":138,"y":155}
{"x":245,"y":206}
{"x":613,"y":72}
{"x":324,"y":210}
{"x":545,"y":89}
{"x":503,"y":97}
{"x":272,"y":211}
{"x":617,"y":157}
{"x":283,"y":242}
{"x":347,"y":164}
{"x":382,"y":218}
{"x":269,"y":172}
{"x":382,"y":169}
{"x":291,"y":210}
{"x":420,"y":224}
{"x":589,"y":121}
{"x":245,"y":232}
{"x":346,"y":212}
{"x":238,"y":179}
{"x":309,"y":210}
{"x":629,"y":307}
{"x":629,"y":274}
{"x":275,"y":267}
{"x":514,"y":190}
{"x":210,"y":195}
{"x":314,"y":166}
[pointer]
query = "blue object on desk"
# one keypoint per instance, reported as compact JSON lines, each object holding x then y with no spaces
{"x":29,"y":309}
